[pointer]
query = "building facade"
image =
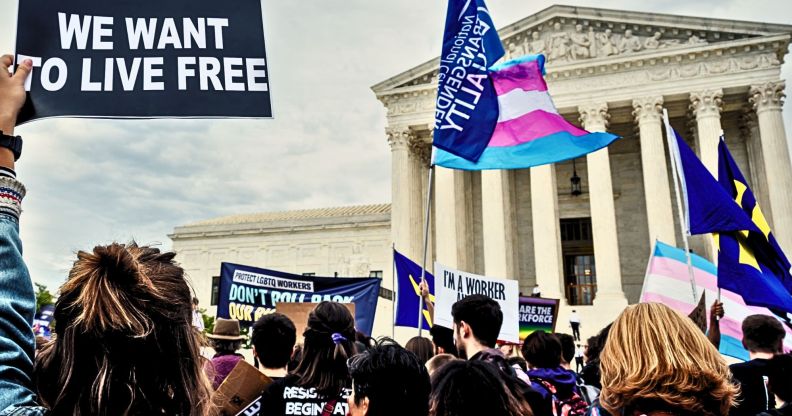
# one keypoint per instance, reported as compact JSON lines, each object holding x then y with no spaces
{"x":342,"y":242}
{"x":581,"y":230}
{"x":607,"y":70}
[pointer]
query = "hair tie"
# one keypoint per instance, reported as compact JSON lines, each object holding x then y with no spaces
{"x":338,"y":338}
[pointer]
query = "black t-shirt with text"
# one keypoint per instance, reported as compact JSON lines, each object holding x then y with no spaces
{"x":254,"y":408}
{"x":755,"y":397}
{"x":284,"y":397}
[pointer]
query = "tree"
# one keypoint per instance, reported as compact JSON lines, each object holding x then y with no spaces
{"x":43,"y":296}
{"x":208,"y":321}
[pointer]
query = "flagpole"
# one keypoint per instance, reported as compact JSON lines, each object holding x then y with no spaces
{"x":683,"y":225}
{"x":715,"y":259}
{"x":425,"y":243}
{"x":393,"y":287}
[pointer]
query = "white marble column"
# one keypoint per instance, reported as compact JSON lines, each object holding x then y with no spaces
{"x":452,"y":228}
{"x":547,"y":232}
{"x":405,"y":195}
{"x":706,"y":106}
{"x":420,"y":153}
{"x":767,"y":100}
{"x":749,"y":128}
{"x":603,"y":212}
{"x":657,"y":191}
{"x":497,"y":206}
{"x":424,"y":189}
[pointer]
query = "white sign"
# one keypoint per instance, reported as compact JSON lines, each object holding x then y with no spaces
{"x":272,"y":282}
{"x":453,"y":285}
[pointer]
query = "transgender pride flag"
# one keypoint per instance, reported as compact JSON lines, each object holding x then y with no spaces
{"x":668,"y":282}
{"x":529,"y":131}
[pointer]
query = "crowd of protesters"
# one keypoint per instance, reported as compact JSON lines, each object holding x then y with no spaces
{"x":125,"y":343}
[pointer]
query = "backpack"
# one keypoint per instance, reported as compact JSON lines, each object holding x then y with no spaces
{"x":574,"y":405}
{"x":588,"y":393}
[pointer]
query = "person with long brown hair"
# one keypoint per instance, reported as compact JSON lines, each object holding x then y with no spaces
{"x":657,"y":362}
{"x":321,"y":383}
{"x":124,"y":340}
{"x":124,"y":343}
{"x":421,"y":347}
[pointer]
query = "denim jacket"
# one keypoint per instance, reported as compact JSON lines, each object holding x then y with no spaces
{"x":17,"y":307}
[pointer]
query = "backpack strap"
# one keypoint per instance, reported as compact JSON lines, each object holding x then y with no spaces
{"x":329,"y":407}
{"x":551,"y":390}
{"x":546,"y":384}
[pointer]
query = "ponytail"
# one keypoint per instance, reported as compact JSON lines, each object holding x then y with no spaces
{"x":339,"y":350}
{"x":328,"y":345}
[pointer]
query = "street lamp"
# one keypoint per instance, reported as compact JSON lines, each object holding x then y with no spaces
{"x":575,"y":180}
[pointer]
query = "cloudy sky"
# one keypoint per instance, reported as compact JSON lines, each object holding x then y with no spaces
{"x":96,"y":181}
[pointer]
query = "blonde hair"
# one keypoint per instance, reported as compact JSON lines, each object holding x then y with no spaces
{"x":438,"y":361}
{"x":657,"y":359}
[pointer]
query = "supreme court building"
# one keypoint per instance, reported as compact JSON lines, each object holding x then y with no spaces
{"x":581,"y":230}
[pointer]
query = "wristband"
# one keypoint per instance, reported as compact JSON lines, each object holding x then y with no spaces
{"x":12,"y":143}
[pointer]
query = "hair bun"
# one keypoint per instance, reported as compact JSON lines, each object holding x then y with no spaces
{"x":116,"y":263}
{"x":105,"y":288}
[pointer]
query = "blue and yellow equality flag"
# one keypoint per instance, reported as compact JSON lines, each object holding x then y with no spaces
{"x":408,"y":294}
{"x":710,"y":209}
{"x":750,"y":262}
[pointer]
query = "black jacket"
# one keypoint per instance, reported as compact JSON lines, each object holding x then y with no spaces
{"x":518,"y":388}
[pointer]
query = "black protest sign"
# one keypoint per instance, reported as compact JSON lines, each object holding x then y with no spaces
{"x":144,"y":58}
{"x":537,"y":314}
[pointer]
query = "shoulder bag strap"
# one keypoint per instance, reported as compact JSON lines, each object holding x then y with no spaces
{"x":329,"y":407}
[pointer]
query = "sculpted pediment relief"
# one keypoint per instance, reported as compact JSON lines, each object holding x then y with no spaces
{"x":564,"y":43}
{"x":570,"y":35}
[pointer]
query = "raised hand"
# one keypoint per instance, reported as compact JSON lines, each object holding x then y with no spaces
{"x":12,"y":91}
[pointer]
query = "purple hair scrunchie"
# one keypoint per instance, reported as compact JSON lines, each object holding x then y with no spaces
{"x":338,"y":338}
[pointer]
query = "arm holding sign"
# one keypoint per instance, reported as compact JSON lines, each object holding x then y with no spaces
{"x":17,"y":299}
{"x":716,"y":313}
{"x":427,"y":299}
{"x":12,"y":97}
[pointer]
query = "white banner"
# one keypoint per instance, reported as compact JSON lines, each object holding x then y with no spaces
{"x":452,"y":285}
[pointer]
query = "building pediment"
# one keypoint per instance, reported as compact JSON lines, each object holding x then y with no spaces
{"x":575,"y":38}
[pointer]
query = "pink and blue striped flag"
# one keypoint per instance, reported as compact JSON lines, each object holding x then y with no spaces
{"x":529,"y":131}
{"x":668,"y":282}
